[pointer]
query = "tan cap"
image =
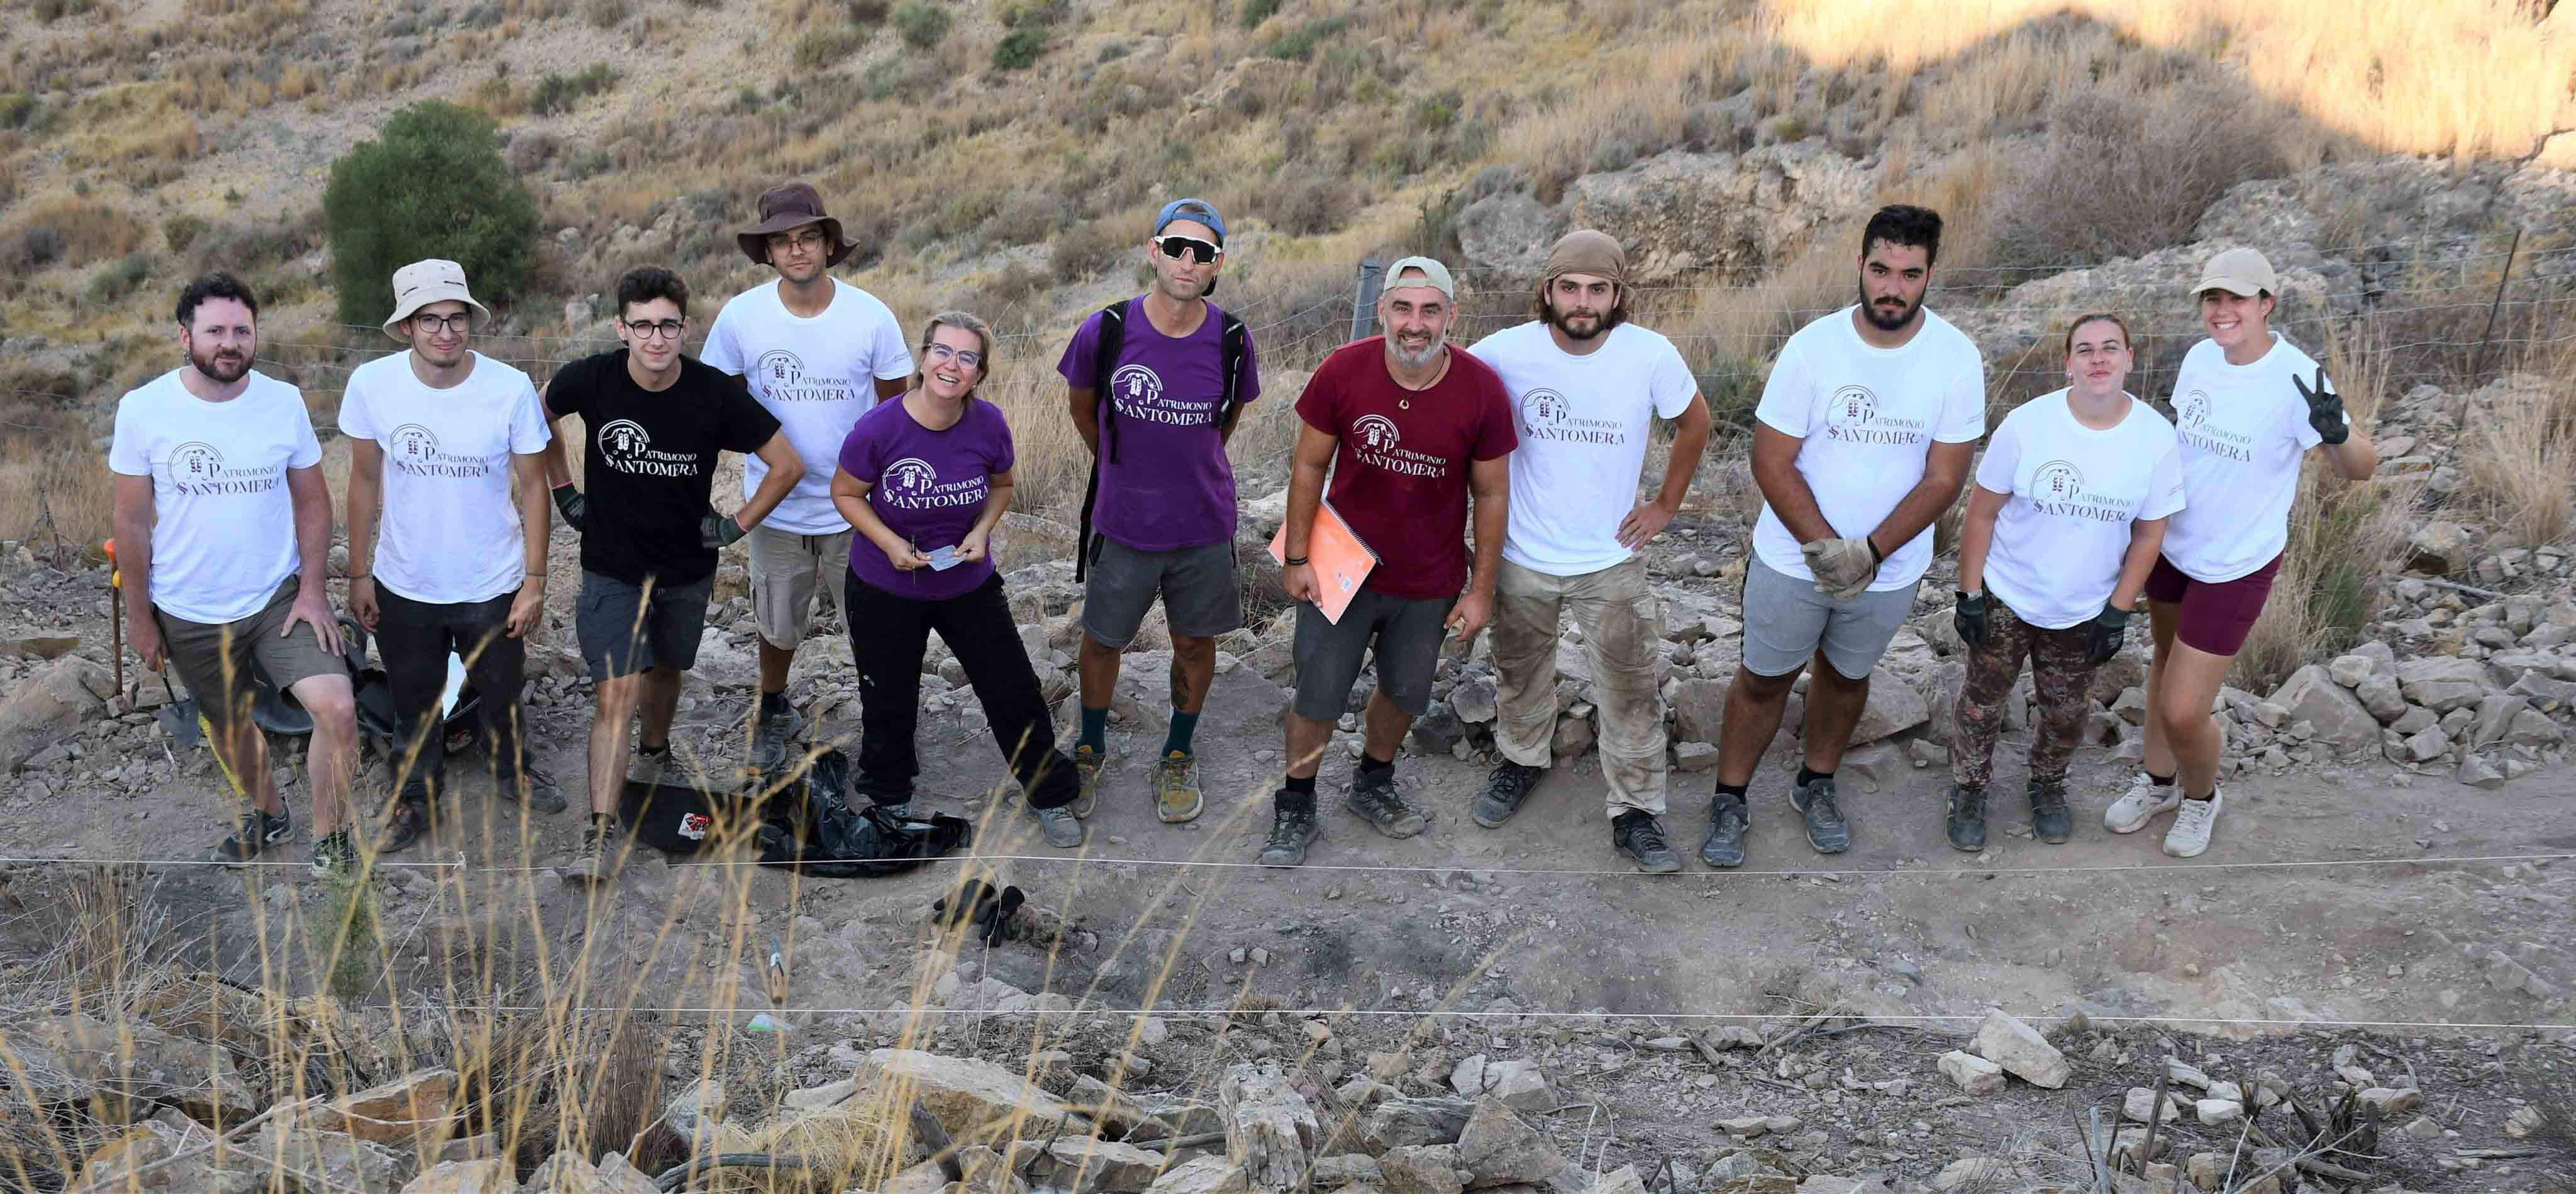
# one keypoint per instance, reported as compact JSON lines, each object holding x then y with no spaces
{"x":424,"y":282}
{"x":1434,"y":275}
{"x":1589,"y":251}
{"x":2239,"y":271}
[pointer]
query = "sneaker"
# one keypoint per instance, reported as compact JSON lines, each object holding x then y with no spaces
{"x":591,"y":864}
{"x":1826,"y":829}
{"x":1377,"y":802}
{"x":1639,"y":836}
{"x":1966,"y":818}
{"x":771,"y":737}
{"x":1724,"y":845}
{"x":653,"y":769}
{"x":1063,"y":830}
{"x":1505,"y":789}
{"x":2140,"y":804}
{"x":2051,"y":821}
{"x":1291,"y":830}
{"x":403,"y":826}
{"x":256,"y":831}
{"x":1176,"y":788}
{"x":530,"y":787}
{"x":1087,"y":766}
{"x":335,"y":857}
{"x":2190,"y":833}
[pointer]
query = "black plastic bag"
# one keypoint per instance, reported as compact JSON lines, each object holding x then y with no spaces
{"x":810,"y":827}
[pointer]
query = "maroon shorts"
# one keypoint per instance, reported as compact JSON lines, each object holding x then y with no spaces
{"x":2215,"y":617}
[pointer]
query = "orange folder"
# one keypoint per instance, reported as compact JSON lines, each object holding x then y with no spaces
{"x":1338,"y":557}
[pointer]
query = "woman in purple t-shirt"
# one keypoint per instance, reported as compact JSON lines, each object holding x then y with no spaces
{"x":924,"y":479}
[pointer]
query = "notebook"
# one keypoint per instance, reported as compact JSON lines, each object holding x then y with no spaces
{"x":1338,"y":557}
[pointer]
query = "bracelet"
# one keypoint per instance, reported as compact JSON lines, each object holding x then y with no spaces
{"x":1872,"y":545}
{"x":362,"y":576}
{"x":1294,"y":562}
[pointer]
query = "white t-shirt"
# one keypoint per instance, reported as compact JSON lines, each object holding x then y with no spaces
{"x":817,"y":375}
{"x":449,"y":533}
{"x":1583,"y":423}
{"x":2243,"y":430}
{"x":2064,"y":531}
{"x":1868,"y":418}
{"x":223,"y":524}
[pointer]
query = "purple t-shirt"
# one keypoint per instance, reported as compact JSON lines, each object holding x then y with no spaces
{"x":929,"y":487}
{"x":1170,"y":486}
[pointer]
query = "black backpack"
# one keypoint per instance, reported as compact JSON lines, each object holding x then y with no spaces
{"x":1231,"y":335}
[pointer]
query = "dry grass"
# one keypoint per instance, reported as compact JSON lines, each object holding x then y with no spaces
{"x":2519,"y":453}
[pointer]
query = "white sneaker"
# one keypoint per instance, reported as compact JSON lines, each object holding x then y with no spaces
{"x":2190,"y":833}
{"x":2142,"y":803}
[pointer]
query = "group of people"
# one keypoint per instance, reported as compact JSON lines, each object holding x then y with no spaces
{"x":875,"y":477}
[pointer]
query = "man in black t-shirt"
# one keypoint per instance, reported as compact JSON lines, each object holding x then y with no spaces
{"x":654,"y":422}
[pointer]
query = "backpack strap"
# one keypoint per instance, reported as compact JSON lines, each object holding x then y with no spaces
{"x":1236,"y":340}
{"x":1104,"y":363}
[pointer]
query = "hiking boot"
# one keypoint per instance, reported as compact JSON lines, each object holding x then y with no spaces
{"x":1639,"y":836}
{"x":256,"y":831}
{"x":653,"y":768}
{"x":1087,"y":766}
{"x":2144,"y":800}
{"x":404,"y":825}
{"x":1826,"y":829}
{"x":1505,"y":789}
{"x":773,"y":734}
{"x":1063,"y":830}
{"x":1966,"y":822}
{"x":2190,"y":833}
{"x":1374,"y":798}
{"x":335,"y":857}
{"x":530,"y":787}
{"x":2051,"y":821}
{"x":1291,"y":829}
{"x":1724,"y":845}
{"x":591,"y":864}
{"x":1176,"y":788}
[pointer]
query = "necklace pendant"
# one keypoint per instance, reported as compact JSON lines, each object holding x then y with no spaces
{"x":1404,"y":404}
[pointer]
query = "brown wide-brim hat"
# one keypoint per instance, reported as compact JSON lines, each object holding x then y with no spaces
{"x":786,"y":206}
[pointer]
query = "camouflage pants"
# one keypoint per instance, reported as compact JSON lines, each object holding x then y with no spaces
{"x":2062,"y":682}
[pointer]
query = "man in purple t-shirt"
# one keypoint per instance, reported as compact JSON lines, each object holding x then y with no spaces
{"x":1156,"y":412}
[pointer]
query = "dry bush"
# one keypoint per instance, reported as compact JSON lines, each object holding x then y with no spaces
{"x":79,"y":231}
{"x":2123,"y":175}
{"x":2520,"y":454}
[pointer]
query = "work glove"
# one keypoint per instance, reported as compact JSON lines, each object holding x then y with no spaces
{"x":1969,"y":616}
{"x":988,"y":908}
{"x":2104,"y":634}
{"x":2325,"y":410}
{"x":570,"y":504}
{"x":1843,"y":567}
{"x":718,"y":530}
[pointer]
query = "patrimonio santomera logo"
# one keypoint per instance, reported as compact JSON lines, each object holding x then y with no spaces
{"x":1135,"y":383}
{"x":2057,"y":481}
{"x":1376,"y":433}
{"x":412,"y":443}
{"x":910,"y":476}
{"x":196,"y":460}
{"x":624,"y":440}
{"x":2193,"y":410}
{"x":1852,"y":406}
{"x":1541,"y":408}
{"x":778,"y":368}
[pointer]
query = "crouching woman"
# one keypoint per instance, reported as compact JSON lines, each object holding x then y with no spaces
{"x":2062,"y":528}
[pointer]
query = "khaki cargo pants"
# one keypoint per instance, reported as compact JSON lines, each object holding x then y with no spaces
{"x":1620,"y":622}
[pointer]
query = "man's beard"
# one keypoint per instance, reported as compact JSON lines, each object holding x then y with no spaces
{"x":1410,"y":360}
{"x":1869,"y":310}
{"x":1564,"y":322}
{"x":222,"y":374}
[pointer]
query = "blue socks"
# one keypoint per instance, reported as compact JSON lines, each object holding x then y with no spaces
{"x":1184,"y":725}
{"x":1095,"y":730}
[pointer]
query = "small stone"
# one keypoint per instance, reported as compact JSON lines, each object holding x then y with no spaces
{"x":2388,"y":1101}
{"x":1974,"y":1074}
{"x":2219,"y":1111}
{"x":2021,"y":1051}
{"x":2425,"y":1127}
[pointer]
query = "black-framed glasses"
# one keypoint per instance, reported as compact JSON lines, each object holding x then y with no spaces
{"x":965,"y":356}
{"x":462,"y":321}
{"x":1188,"y":248}
{"x":668,"y":329}
{"x":805,"y":237}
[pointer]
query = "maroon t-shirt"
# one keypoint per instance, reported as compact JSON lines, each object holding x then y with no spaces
{"x":1400,"y":475}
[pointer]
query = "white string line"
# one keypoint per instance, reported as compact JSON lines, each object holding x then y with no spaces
{"x":458,"y":864}
{"x":1330,"y":1012}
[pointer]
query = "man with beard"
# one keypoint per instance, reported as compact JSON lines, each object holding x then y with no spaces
{"x":1156,"y":384}
{"x":223,"y":529}
{"x":1588,"y":385}
{"x":1862,"y":439}
{"x":817,"y":353}
{"x":436,"y":436}
{"x":1408,"y":429}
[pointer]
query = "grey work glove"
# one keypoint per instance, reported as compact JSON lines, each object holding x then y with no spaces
{"x":718,"y":530}
{"x":1843,"y":567}
{"x":570,"y":503}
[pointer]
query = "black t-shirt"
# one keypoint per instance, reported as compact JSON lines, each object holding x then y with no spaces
{"x":649,"y":461}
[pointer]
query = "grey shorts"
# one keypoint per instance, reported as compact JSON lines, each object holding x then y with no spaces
{"x":1786,"y":621}
{"x":624,"y":630}
{"x":1405,"y":633}
{"x":1202,"y":597}
{"x":786,"y":570}
{"x":214,"y":659}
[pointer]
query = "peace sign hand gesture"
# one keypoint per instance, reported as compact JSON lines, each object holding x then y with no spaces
{"x":2325,"y":409}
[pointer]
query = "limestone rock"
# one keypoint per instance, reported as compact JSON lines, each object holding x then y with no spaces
{"x":141,"y":1162}
{"x":1349,"y":1169}
{"x":1974,"y":1074}
{"x":1202,"y":1175}
{"x":1974,"y":1172}
{"x":2390,"y":1101}
{"x":2140,"y":1103}
{"x":1474,"y":700}
{"x":1509,"y":232}
{"x":2442,"y":683}
{"x":1499,"y":1148}
{"x":1623,"y":1180}
{"x":117,"y":1068}
{"x":1698,"y":706}
{"x":336,"y":1160}
{"x":1687,"y":214}
{"x":488,"y":1176}
{"x":49,"y":705}
{"x":1894,"y":707}
{"x":1397,"y":1123}
{"x":1270,"y":1130}
{"x":2440,"y":548}
{"x":2218,"y":1111}
{"x":568,"y":1173}
{"x":2311,"y":695}
{"x":1421,"y":1169}
{"x":2020,"y":1050}
{"x":1085,"y":1165}
{"x":413,"y":1107}
{"x":973,"y":1100}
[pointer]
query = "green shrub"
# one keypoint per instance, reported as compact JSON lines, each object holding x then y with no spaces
{"x":17,"y":110}
{"x":819,"y":48}
{"x":558,"y":93}
{"x":1034,"y":14}
{"x":432,"y":185}
{"x":606,"y":14}
{"x":119,"y":278}
{"x":921,"y":23}
{"x":1257,"y":11}
{"x":868,"y":13}
{"x":1299,"y":44}
{"x":1019,"y":48}
{"x":182,"y":230}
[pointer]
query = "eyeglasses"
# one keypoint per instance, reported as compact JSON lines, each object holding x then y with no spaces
{"x":964,"y":356}
{"x":1188,"y":248}
{"x":806,"y":238}
{"x":668,"y":329}
{"x":462,"y":321}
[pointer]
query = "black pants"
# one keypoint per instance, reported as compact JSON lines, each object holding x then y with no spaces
{"x":414,"y":639}
{"x":888,"y":637}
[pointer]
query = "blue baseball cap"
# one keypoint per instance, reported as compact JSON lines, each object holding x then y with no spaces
{"x":1192,"y":209}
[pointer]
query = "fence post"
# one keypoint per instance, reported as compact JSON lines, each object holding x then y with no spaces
{"x":1364,"y":298}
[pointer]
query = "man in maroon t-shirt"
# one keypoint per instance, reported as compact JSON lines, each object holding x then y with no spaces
{"x":1408,"y":428}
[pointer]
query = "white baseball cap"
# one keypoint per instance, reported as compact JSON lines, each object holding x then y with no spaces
{"x":424,"y":282}
{"x":2239,"y":271}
